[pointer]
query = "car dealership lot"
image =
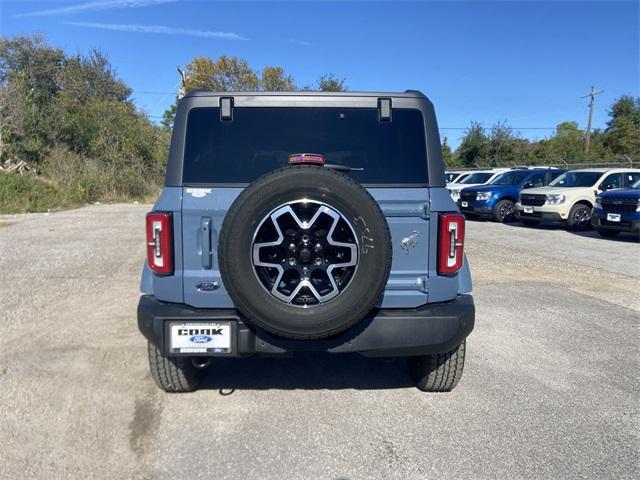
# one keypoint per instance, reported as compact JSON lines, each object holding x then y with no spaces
{"x":550,"y":388}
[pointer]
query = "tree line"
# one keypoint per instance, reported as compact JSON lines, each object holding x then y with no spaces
{"x":500,"y":145}
{"x":71,"y":121}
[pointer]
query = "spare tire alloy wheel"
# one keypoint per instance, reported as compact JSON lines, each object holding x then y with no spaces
{"x":304,"y":252}
{"x":313,"y":257}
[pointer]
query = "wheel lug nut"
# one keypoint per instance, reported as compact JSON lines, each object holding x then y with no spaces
{"x":318,"y":247}
{"x":318,"y":261}
{"x":292,"y":247}
{"x":292,"y":261}
{"x":305,"y":238}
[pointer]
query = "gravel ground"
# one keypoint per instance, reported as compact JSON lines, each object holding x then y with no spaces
{"x":550,"y":389}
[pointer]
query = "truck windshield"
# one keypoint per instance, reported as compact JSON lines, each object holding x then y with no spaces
{"x":636,"y":185}
{"x":509,"y":178}
{"x":260,"y":139}
{"x":576,"y":179}
{"x":477,"y":177}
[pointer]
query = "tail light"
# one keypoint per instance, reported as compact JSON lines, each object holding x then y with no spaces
{"x":450,"y":243}
{"x":160,"y":243}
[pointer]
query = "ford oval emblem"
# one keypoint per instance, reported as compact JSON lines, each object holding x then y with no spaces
{"x":207,"y":286}
{"x":200,"y":339}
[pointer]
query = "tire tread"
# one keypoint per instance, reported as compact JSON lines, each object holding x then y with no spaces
{"x":439,"y":372}
{"x":172,"y":374}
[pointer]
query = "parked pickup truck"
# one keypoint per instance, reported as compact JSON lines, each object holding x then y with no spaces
{"x":305,"y":221}
{"x":497,"y":199}
{"x":569,"y":199}
{"x":618,"y":211}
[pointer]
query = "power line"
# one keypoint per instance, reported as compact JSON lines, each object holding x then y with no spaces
{"x":146,"y":92}
{"x":513,"y":128}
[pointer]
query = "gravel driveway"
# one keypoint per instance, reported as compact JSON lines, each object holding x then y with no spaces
{"x":551,"y":386}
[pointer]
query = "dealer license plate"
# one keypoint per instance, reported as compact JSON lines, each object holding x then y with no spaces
{"x":464,"y":204}
{"x":200,"y":337}
{"x":613,"y":217}
{"x":528,"y":209}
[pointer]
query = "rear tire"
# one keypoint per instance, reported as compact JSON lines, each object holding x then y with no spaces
{"x":439,"y":372}
{"x":504,"y":211}
{"x":173,"y":374}
{"x":579,"y":217}
{"x":608,"y":233}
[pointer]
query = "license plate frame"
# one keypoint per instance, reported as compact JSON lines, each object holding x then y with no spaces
{"x":614,"y":217}
{"x":527,"y":209}
{"x":201,"y":338}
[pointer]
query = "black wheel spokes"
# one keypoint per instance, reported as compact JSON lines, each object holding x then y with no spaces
{"x":582,"y":217}
{"x":305,"y":253}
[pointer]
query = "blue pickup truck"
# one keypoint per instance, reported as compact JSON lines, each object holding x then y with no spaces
{"x":497,"y":199}
{"x":618,"y":211}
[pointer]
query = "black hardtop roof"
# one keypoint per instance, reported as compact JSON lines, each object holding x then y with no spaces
{"x":203,"y":92}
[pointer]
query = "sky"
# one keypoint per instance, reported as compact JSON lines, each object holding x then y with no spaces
{"x":525,"y":63}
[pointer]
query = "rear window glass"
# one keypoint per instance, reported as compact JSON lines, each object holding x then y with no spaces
{"x":259,"y":140}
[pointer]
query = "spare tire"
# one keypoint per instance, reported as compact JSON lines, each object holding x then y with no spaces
{"x":304,"y":252}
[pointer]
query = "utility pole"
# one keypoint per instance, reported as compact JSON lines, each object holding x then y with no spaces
{"x":591,"y":104}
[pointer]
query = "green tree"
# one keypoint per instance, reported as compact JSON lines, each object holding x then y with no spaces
{"x":474,"y":147}
{"x":567,"y":143}
{"x":273,"y":79}
{"x":226,"y":74}
{"x":330,"y":83}
{"x":447,"y":154}
{"x":504,"y":147}
{"x":71,"y":118}
{"x":622,"y":135}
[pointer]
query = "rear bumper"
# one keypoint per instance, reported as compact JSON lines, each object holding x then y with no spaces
{"x":434,"y":328}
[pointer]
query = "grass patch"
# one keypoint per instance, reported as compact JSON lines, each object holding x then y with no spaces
{"x":25,"y":193}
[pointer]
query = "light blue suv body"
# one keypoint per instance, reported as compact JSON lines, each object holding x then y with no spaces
{"x":423,"y":310}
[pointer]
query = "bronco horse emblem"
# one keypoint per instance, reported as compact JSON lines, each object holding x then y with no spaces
{"x":408,"y":242}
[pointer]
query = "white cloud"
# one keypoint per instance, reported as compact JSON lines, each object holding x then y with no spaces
{"x":93,"y":6}
{"x":299,"y":42}
{"x":162,"y":29}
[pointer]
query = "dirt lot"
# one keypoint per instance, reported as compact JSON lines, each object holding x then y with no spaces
{"x":550,"y":389}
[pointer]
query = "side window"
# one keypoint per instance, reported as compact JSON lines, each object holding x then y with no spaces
{"x":536,"y":180}
{"x":630,"y":178}
{"x":611,"y":181}
{"x":553,"y":175}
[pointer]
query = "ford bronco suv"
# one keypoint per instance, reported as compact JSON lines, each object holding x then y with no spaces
{"x":305,"y":222}
{"x":618,"y":211}
{"x":497,"y":198}
{"x":570,"y":198}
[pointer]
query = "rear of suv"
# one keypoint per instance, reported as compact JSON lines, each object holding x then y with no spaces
{"x":305,"y":222}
